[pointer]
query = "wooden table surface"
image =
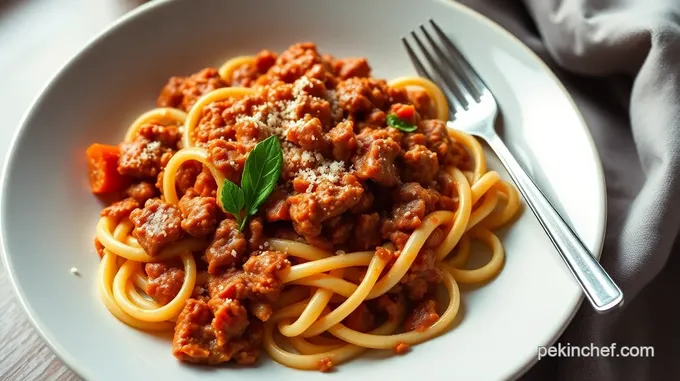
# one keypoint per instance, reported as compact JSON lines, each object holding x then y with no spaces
{"x":36,"y":38}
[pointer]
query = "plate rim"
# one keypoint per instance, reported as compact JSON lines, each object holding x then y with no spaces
{"x":73,"y":364}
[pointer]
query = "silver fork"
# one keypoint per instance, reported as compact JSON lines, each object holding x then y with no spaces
{"x":474,"y":109}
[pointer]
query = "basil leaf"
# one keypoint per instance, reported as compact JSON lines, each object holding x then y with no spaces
{"x":261,"y":173}
{"x":394,"y":121}
{"x":232,"y":199}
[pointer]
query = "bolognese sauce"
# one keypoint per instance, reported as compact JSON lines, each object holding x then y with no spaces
{"x":349,"y":182}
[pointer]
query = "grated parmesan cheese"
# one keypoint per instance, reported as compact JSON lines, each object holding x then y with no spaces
{"x":74,"y":271}
{"x":330,"y":171}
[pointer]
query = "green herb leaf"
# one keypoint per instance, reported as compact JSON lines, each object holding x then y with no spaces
{"x":261,"y":172}
{"x":394,"y":121}
{"x":232,"y":199}
{"x":260,"y":175}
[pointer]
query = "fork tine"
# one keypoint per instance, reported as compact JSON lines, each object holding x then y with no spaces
{"x":450,"y":83}
{"x":420,"y":69}
{"x":471,"y":74}
{"x":460,"y":75}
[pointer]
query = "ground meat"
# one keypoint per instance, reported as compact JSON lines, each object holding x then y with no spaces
{"x":298,"y":60}
{"x":448,"y":151}
{"x":361,"y":95}
{"x":401,"y":348}
{"x":308,"y":134}
{"x":361,"y":319}
{"x":143,"y":158}
{"x":420,"y":165}
{"x":276,"y":207}
{"x":156,"y":225}
{"x":205,"y":184}
{"x":365,"y":203}
{"x":120,"y":209}
{"x":167,"y":135}
{"x":422,"y":317}
{"x":215,"y":332}
{"x":230,"y":321}
{"x":186,"y":175}
{"x":182,"y":92}
{"x":325,"y":364}
{"x":199,"y":214}
{"x":366,"y":234}
{"x":412,"y":204}
{"x":228,"y":157}
{"x":342,"y":140}
{"x":328,"y":200}
{"x":422,"y":274}
{"x":352,"y":67}
{"x":338,"y":229}
{"x":422,"y":103}
{"x":247,"y":74}
{"x":376,"y":162}
{"x":142,"y":191}
{"x":255,"y":233}
{"x":257,"y":281}
{"x":165,"y":281}
{"x":226,"y":249}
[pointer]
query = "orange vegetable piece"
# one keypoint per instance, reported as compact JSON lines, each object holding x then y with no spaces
{"x":102,"y":164}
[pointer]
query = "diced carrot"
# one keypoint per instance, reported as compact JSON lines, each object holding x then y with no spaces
{"x":405,"y":112}
{"x":102,"y":163}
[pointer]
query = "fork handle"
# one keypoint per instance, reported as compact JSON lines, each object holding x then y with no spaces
{"x":598,"y":286}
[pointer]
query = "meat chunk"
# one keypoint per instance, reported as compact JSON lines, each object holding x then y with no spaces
{"x":361,"y":319}
{"x":216,"y":332}
{"x":420,"y":165}
{"x":143,"y":158}
{"x":227,"y":247}
{"x":412,"y":203}
{"x":186,"y":175}
{"x":205,"y":184}
{"x":448,"y":151}
{"x":156,"y":225}
{"x":120,"y":209}
{"x":422,"y":103}
{"x":366,"y":233}
{"x":167,"y":135}
{"x":352,"y":67}
{"x":142,"y":191}
{"x":338,"y":229}
{"x":328,"y":200}
{"x":376,"y":162}
{"x":308,"y":134}
{"x":422,"y":274}
{"x":165,"y":281}
{"x":183,"y":92}
{"x":229,"y":157}
{"x":342,"y":140}
{"x":257,"y":281}
{"x":276,"y":207}
{"x":361,"y":95}
{"x":199,"y":214}
{"x":230,"y":321}
{"x":255,"y":233}
{"x":422,"y":317}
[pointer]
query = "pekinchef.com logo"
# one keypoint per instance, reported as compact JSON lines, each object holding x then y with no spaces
{"x":592,"y":350}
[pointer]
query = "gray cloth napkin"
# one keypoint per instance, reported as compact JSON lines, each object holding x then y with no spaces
{"x":620,"y":60}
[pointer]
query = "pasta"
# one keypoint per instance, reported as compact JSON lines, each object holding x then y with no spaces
{"x":297,"y":293}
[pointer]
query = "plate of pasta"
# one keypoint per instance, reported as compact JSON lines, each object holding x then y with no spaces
{"x":272,"y":191}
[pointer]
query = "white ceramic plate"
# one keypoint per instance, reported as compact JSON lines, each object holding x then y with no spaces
{"x":48,"y":214}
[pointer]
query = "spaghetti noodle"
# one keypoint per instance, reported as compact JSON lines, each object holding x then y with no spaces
{"x":367,"y":221}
